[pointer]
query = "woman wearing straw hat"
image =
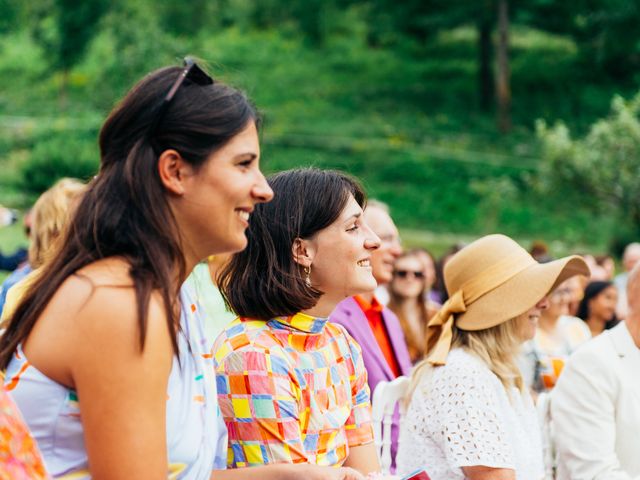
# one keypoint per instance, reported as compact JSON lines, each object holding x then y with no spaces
{"x":469,"y":414}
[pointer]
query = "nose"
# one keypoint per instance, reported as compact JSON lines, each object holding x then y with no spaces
{"x":396,"y":247}
{"x":371,"y":241}
{"x":261,"y":191}
{"x":543,"y":304}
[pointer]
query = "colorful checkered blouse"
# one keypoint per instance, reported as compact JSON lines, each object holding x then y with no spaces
{"x":291,"y":390}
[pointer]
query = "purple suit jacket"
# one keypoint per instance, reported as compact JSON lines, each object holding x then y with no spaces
{"x":349,"y":314}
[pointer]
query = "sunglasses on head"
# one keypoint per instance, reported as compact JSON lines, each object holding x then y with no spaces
{"x":409,"y":273}
{"x":191,"y":72}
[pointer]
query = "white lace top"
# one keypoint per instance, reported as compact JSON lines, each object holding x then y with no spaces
{"x":462,"y":416}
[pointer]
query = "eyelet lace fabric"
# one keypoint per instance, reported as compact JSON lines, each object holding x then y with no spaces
{"x":462,"y":416}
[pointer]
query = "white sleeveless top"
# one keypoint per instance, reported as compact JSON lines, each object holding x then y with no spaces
{"x":462,"y":416}
{"x":196,"y":434}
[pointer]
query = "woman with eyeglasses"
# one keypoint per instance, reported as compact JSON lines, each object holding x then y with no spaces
{"x":105,"y":355}
{"x":408,"y":299}
{"x":558,"y":335}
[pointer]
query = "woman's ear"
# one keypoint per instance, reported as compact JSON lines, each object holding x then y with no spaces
{"x":303,"y":252}
{"x":173,"y":171}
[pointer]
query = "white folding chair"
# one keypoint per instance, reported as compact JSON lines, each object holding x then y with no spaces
{"x":385,"y":398}
{"x":549,"y":455}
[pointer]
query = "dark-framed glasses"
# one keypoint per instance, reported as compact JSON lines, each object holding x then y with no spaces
{"x":191,"y":72}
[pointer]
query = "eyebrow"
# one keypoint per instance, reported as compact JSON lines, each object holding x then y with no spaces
{"x":247,"y":154}
{"x":351,"y":217}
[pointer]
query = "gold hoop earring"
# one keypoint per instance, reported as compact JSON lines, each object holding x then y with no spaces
{"x":307,"y":275}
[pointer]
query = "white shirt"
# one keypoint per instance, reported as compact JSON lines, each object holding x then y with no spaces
{"x":462,"y":416}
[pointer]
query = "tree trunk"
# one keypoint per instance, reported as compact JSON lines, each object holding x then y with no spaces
{"x":485,"y":70}
{"x":503,"y":88}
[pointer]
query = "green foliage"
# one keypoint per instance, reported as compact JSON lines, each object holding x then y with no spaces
{"x":603,"y":166}
{"x":76,"y":22}
{"x":64,"y":27}
{"x":58,"y":155}
{"x":384,"y":90}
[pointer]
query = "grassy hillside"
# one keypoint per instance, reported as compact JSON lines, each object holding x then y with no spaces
{"x":406,"y":122}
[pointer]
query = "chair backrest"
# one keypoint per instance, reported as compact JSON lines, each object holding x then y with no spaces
{"x":385,"y":398}
{"x":549,"y":454}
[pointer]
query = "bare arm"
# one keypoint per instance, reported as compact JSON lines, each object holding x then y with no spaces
{"x":122,"y":391}
{"x":87,"y":339}
{"x":288,"y":472}
{"x":363,"y":458}
{"x":488,"y":473}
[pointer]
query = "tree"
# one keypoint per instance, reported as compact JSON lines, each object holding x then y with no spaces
{"x":604,"y":165}
{"x":503,"y":80}
{"x":422,"y":19}
{"x":605,"y":32}
{"x":64,"y":28}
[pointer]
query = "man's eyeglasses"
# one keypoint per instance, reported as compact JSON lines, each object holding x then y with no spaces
{"x":409,"y":273}
{"x":191,"y":72}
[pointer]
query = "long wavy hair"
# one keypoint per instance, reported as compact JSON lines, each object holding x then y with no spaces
{"x":497,"y":347}
{"x":415,"y":343}
{"x":125,"y":211}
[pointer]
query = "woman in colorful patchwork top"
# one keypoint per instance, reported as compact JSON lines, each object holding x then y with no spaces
{"x":106,"y":355}
{"x":292,"y":387}
{"x":20,"y":458}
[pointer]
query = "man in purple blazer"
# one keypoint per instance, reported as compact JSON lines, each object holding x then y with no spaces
{"x":373,"y":326}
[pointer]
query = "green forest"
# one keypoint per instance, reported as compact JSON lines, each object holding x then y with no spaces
{"x":467,"y":117}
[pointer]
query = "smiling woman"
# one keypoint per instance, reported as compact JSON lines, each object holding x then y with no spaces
{"x":470,"y":415}
{"x":105,"y":355}
{"x":292,"y":386}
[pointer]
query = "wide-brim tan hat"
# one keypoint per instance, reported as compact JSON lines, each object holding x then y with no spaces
{"x":490,"y":281}
{"x":518,"y":292}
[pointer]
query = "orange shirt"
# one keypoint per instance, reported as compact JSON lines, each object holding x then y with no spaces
{"x":373,"y":312}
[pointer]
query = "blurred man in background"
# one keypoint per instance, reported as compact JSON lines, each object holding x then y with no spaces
{"x":630,"y":258}
{"x":596,"y":403}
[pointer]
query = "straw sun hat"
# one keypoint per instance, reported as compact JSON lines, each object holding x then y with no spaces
{"x":490,"y":281}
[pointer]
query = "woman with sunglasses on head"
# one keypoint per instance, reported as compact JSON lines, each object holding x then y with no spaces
{"x":291,"y":385}
{"x":408,"y":299}
{"x":106,"y":355}
{"x":470,"y":415}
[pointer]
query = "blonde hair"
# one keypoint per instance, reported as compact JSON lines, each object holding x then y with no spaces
{"x":51,"y":214}
{"x":497,"y":347}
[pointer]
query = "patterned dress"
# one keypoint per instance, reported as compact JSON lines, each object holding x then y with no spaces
{"x":19,"y":455}
{"x":291,"y":390}
{"x":196,"y":435}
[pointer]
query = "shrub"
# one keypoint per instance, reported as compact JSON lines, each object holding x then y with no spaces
{"x":63,"y":154}
{"x":603,"y":166}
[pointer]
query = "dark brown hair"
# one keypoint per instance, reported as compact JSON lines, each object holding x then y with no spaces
{"x":264,"y":281}
{"x":591,"y":291}
{"x":125,"y":211}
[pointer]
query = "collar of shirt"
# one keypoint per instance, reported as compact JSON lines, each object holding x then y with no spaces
{"x":302,"y":322}
{"x":374,"y":306}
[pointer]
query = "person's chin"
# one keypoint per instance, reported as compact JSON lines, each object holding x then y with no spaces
{"x":238,"y":244}
{"x":383,"y":278}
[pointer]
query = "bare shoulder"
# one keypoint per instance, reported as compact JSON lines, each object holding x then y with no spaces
{"x":95,"y":310}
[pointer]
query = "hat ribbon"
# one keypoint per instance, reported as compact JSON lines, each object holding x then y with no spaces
{"x":440,"y":327}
